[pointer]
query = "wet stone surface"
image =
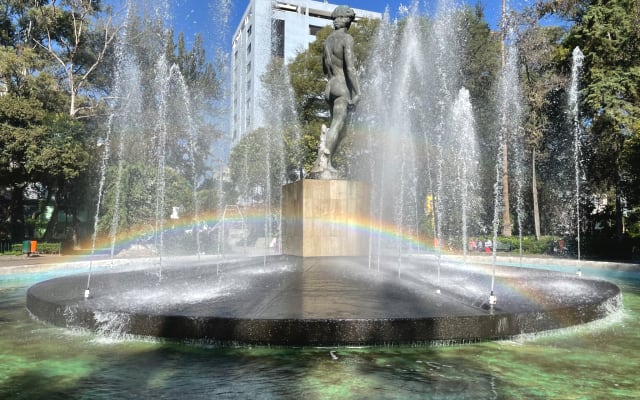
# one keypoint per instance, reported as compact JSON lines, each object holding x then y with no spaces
{"x":323,"y":301}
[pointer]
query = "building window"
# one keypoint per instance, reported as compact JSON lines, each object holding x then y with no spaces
{"x":249,"y":67}
{"x":313,"y":30}
{"x":249,"y":84}
{"x":249,"y":49}
{"x":320,"y":14}
{"x":277,"y":38}
{"x":280,"y":5}
{"x":249,"y":30}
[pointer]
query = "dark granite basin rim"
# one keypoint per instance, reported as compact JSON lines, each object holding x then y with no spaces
{"x":321,"y":301}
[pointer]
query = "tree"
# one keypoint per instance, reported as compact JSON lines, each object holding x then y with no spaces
{"x":72,"y":34}
{"x":543,"y":85}
{"x":281,"y":117}
{"x":48,"y":65}
{"x":203,"y":87}
{"x":40,"y":144}
{"x":175,"y":88}
{"x":506,"y":212}
{"x":57,"y":160}
{"x":57,"y":62}
{"x":253,"y":170}
{"x":137,"y":208}
{"x":20,"y":125}
{"x":480,"y":68}
{"x":608,"y":33}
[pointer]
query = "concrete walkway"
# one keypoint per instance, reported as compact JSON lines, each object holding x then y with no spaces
{"x":35,"y":263}
{"x":514,"y":259}
{"x":22,"y":263}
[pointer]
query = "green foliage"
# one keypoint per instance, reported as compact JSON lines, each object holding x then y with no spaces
{"x":309,"y":83}
{"x":198,"y":73}
{"x":191,"y":108}
{"x":138,"y":197}
{"x":162,"y":125}
{"x":480,"y":72}
{"x":546,"y":126}
{"x":75,"y":36}
{"x":255,"y":162}
{"x":530,"y":245}
{"x":47,"y":62}
{"x":42,"y":248}
{"x":307,"y":79}
{"x":56,"y":67}
{"x":61,"y":155}
{"x":607,"y":33}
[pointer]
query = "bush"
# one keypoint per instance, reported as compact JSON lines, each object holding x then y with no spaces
{"x":49,"y":248}
{"x":43,"y":248}
{"x":529,"y":244}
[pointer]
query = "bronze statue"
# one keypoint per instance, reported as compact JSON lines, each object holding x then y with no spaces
{"x":342,"y":92}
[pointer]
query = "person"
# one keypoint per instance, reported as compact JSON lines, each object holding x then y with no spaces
{"x":472,"y":245}
{"x":488,"y":246}
{"x":480,"y":245}
{"x":343,"y":90}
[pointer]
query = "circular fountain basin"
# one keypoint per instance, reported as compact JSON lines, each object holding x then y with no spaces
{"x":296,"y":301}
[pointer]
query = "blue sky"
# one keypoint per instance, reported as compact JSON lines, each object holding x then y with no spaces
{"x":198,"y":16}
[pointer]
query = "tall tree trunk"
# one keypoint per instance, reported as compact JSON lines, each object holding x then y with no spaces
{"x":506,"y":216}
{"x":534,"y":191}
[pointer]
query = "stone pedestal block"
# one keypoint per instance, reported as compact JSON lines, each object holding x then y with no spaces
{"x":325,"y":218}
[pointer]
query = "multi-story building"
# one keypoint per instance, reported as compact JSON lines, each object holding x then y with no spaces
{"x":270,"y":28}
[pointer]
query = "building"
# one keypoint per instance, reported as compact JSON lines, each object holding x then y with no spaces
{"x":270,"y":28}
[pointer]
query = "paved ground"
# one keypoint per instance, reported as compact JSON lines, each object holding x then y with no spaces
{"x":9,"y":264}
{"x":24,"y":260}
{"x":12,"y":264}
{"x":15,"y":261}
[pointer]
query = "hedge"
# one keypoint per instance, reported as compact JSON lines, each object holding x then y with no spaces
{"x":42,"y":248}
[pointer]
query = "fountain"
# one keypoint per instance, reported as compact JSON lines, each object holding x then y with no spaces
{"x":423,"y":146}
{"x":574,"y":114}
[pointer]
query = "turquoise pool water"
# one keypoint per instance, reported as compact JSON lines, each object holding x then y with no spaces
{"x":598,"y":361}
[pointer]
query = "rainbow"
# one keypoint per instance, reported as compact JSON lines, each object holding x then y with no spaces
{"x":208,"y":222}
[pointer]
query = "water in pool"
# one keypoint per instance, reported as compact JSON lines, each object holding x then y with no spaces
{"x":598,"y":361}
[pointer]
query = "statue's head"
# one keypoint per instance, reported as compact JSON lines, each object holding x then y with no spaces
{"x":343,"y":16}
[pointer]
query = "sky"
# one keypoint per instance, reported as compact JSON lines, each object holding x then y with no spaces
{"x":198,"y":16}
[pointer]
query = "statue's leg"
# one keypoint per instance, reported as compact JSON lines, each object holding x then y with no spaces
{"x":339,"y":116}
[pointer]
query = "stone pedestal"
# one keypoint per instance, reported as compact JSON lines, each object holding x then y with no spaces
{"x":325,"y":218}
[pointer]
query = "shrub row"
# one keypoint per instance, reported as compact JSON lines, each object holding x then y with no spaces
{"x":530,"y":245}
{"x":42,"y":248}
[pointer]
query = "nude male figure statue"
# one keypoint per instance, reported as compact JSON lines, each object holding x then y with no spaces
{"x":342,"y":91}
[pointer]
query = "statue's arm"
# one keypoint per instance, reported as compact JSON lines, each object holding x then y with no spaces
{"x":350,"y":70}
{"x":326,"y":59}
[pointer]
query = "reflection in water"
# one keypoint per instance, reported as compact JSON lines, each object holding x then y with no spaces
{"x":39,"y":361}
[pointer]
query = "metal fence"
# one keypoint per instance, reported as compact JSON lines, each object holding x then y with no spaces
{"x":5,"y":246}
